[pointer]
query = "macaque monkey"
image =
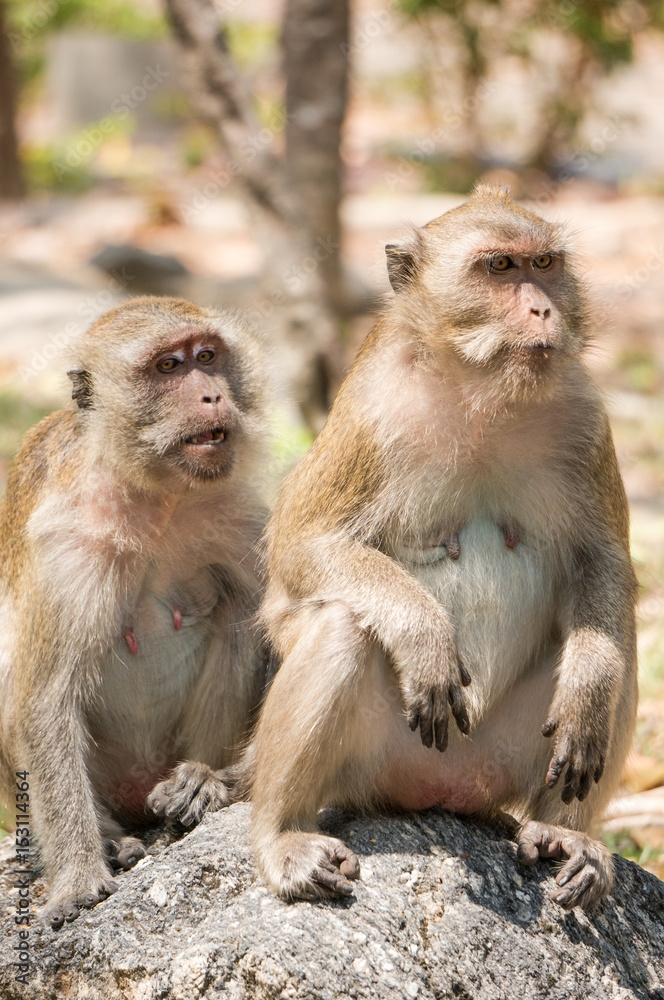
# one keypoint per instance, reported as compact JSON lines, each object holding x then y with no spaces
{"x":129,"y":582}
{"x":449,"y":580}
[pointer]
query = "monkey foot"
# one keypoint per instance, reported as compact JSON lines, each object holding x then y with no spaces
{"x":511,"y":533}
{"x":124,"y":853}
{"x":587,"y":875}
{"x":131,"y":641}
{"x":190,"y":791}
{"x":69,"y":907}
{"x":452,"y":544}
{"x":310,"y":866}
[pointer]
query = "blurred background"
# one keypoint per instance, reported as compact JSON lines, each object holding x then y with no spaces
{"x":262,"y":152}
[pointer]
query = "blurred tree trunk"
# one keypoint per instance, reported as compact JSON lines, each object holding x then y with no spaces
{"x":11,"y":178}
{"x":315,"y":43}
{"x":295,"y":304}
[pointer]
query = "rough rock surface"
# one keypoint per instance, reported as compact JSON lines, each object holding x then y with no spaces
{"x":443,"y":911}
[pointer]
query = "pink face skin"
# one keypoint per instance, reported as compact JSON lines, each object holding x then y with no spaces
{"x":524,"y":285}
{"x":190,"y":367}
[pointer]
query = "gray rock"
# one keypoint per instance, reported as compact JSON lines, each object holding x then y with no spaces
{"x":443,"y":911}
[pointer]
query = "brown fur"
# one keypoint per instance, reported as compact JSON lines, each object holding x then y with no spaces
{"x":129,"y":582}
{"x":455,"y":542}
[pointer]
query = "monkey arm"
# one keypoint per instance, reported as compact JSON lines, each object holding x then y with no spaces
{"x":393,"y":607}
{"x":52,"y":745}
{"x":598,"y":623}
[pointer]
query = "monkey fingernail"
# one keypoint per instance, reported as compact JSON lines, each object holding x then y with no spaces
{"x":131,"y":641}
{"x":466,"y":679}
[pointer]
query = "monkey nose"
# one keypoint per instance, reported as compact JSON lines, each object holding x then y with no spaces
{"x":544,"y":313}
{"x":214,"y":400}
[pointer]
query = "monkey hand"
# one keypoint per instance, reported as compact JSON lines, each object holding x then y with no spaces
{"x":430,"y":695}
{"x":581,"y":748}
{"x":190,"y":791}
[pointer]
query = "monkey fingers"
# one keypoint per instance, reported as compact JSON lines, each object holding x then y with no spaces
{"x":587,"y":875}
{"x":584,"y":762}
{"x":191,"y":791}
{"x":430,"y":713}
{"x":124,"y":853}
{"x":334,"y":874}
{"x":69,"y":909}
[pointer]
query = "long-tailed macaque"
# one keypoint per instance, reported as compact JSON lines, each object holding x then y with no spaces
{"x":129,"y":583}
{"x":454,"y":543}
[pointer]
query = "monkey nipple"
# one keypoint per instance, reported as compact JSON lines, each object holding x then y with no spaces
{"x":511,"y":534}
{"x":177,"y":619}
{"x":131,"y":640}
{"x":452,"y":545}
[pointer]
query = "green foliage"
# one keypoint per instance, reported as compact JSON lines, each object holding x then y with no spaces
{"x":30,"y":19}
{"x":17,"y":415}
{"x":600,"y":34}
{"x":30,"y":22}
{"x":640,"y":370}
{"x":624,"y":844}
{"x":252,"y":43}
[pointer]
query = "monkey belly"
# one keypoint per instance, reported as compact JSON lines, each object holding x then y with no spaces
{"x":501,"y":601}
{"x":492,"y":766}
{"x":142,"y":695}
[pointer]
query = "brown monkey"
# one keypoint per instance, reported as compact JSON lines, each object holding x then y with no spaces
{"x":455,"y":542}
{"x":129,"y":580}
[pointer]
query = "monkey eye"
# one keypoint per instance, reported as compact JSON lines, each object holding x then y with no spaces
{"x":205,"y":357}
{"x":167,"y":365}
{"x":543,"y":261}
{"x":502,"y":263}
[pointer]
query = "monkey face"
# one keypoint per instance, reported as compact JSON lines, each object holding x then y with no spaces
{"x":175,"y":391}
{"x":495,"y":284}
{"x":192,"y":422}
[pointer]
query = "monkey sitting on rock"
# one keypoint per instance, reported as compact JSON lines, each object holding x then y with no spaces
{"x":455,"y":543}
{"x":129,"y":582}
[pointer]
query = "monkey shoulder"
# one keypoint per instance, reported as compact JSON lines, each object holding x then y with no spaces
{"x":45,"y":453}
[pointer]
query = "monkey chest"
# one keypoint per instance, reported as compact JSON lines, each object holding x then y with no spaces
{"x":154,"y":663}
{"x":499,"y":589}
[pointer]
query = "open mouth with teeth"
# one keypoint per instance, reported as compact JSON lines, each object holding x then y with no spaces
{"x":207,"y":439}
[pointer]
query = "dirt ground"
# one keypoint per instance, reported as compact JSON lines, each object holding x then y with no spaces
{"x":49,"y":293}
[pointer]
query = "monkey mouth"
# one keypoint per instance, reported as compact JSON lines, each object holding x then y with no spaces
{"x":207,"y":439}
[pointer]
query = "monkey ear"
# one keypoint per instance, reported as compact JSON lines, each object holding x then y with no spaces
{"x":81,"y":387}
{"x":403,"y":261}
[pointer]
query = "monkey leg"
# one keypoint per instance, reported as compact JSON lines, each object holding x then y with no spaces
{"x":560,"y":830}
{"x":316,"y":745}
{"x":188,"y":793}
{"x":120,"y":854}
